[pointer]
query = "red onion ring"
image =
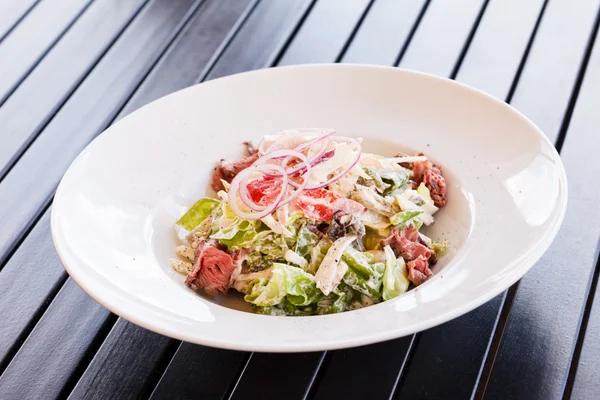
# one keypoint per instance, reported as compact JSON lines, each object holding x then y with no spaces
{"x":344,"y":171}
{"x":232,"y":198}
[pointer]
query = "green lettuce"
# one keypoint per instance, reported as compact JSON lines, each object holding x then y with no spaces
{"x":395,"y":281}
{"x":239,"y":234}
{"x":404,"y":218}
{"x":305,"y":241}
{"x":289,"y":282}
{"x":318,"y":253}
{"x":337,"y":301}
{"x":373,"y":201}
{"x":267,"y":247}
{"x":395,"y":178}
{"x":424,"y":193}
{"x":379,"y":184}
{"x":285,"y":308}
{"x":198,"y":213}
{"x":358,"y":261}
{"x":370,"y":286}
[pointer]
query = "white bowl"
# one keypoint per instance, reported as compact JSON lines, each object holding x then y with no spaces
{"x":113,"y":213}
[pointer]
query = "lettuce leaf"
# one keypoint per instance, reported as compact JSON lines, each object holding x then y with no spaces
{"x":267,"y":247}
{"x":318,"y":253}
{"x":395,"y":281}
{"x":198,"y":213}
{"x":292,"y":283}
{"x":395,"y":178}
{"x":379,"y":184}
{"x":404,"y":218}
{"x":358,"y":261}
{"x":305,"y":241}
{"x":337,"y":301}
{"x":239,"y":234}
{"x":370,"y":287}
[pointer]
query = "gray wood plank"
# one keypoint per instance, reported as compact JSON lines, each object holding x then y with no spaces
{"x":498,"y":46}
{"x":383,"y":32}
{"x":434,"y":50}
{"x":330,"y":23}
{"x":110,"y":375}
{"x":536,"y":351}
{"x":271,"y":24}
{"x":291,"y":376}
{"x":60,"y":341}
{"x":32,"y":38}
{"x":200,"y":373}
{"x":72,"y":313}
{"x":12,"y":12}
{"x":193,"y":51}
{"x":23,"y":299}
{"x":55,"y":78}
{"x":23,"y":192}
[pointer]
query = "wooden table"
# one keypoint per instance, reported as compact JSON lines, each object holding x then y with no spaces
{"x":70,"y":68}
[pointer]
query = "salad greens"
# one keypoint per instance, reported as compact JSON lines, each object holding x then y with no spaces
{"x":300,"y":260}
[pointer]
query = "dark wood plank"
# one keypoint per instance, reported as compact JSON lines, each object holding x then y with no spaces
{"x":291,"y":376}
{"x":59,"y":74}
{"x":535,"y":355}
{"x":330,"y":24}
{"x":200,"y":373}
{"x":433,"y":49}
{"x":192,"y":53}
{"x":110,"y":375}
{"x":560,"y":43}
{"x":27,"y":376}
{"x":12,"y":12}
{"x":59,"y":342}
{"x":33,"y":37}
{"x":271,"y":24}
{"x":369,"y":372}
{"x":383,"y":32}
{"x":492,"y":60}
{"x":27,"y":188}
{"x":23,"y":299}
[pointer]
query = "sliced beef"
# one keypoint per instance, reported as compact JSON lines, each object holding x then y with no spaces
{"x":418,"y":270}
{"x":406,"y":244}
{"x":212,"y":269}
{"x":431,"y":175}
{"x":228,"y":170}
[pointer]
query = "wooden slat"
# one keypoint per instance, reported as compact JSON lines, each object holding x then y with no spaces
{"x":32,"y":38}
{"x":28,"y":374}
{"x":111,"y":376}
{"x":270,"y":24}
{"x":43,"y":366}
{"x":330,"y":24}
{"x":200,"y":373}
{"x":23,"y":299}
{"x":383,"y":32}
{"x":185,"y":60}
{"x":535,"y":354}
{"x":59,"y":74}
{"x":492,"y":60}
{"x":12,"y":12}
{"x":290,"y":375}
{"x":433,"y":49}
{"x":369,"y":372}
{"x":28,"y":187}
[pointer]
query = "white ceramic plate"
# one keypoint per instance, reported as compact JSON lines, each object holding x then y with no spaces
{"x":115,"y":207}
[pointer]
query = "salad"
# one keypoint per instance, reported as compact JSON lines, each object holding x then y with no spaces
{"x":309,"y":224}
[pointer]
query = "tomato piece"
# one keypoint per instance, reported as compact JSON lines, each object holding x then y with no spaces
{"x":320,"y":204}
{"x":264,"y":191}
